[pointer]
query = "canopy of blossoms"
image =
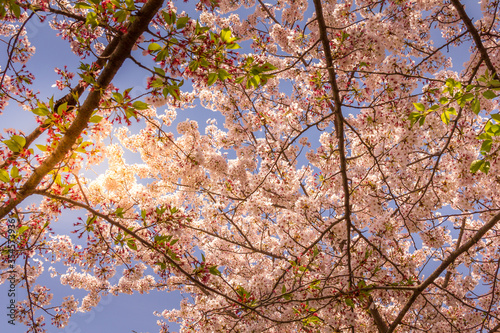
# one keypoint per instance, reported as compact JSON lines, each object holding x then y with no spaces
{"x":348,"y":184}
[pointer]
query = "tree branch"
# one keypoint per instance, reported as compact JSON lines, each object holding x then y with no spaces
{"x":339,"y":127}
{"x":475,"y":35}
{"x":444,"y":264}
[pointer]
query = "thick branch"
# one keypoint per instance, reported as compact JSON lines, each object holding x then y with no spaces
{"x":69,"y":98}
{"x":475,"y":35}
{"x":115,"y":61}
{"x":444,"y":264}
{"x":377,"y":318}
{"x":339,"y":124}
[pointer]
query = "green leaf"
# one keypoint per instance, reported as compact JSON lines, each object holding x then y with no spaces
{"x":494,"y":84}
{"x":163,"y":54}
{"x":181,"y":22}
{"x":223,"y":74}
{"x":11,"y":144}
{"x":160,"y":71}
{"x":233,"y":46}
{"x":139,"y":105}
{"x":14,"y":172}
{"x":131,"y":244}
{"x":487,"y":128}
{"x":62,"y":108}
{"x":212,"y":77}
{"x":453,"y":84}
{"x":83,"y":5}
{"x":166,"y":91}
{"x":154,"y":47}
{"x":157,"y":83}
{"x":489,"y":94}
{"x":95,"y":119}
{"x":484,"y":136}
{"x":193,"y":65}
{"x":41,"y":110}
{"x":173,"y":255}
{"x":451,"y":110}
{"x":415,"y":117}
{"x":204,"y":62}
{"x":22,"y":230}
{"x":242,"y":292}
{"x":466,"y":98}
{"x":445,"y":117}
{"x":225,"y":34}
{"x":443,"y":100}
{"x":486,"y":146}
{"x":173,"y":90}
{"x":118,"y":97}
{"x":268,"y":67}
{"x":476,"y":106}
{"x":349,"y":302}
{"x":4,"y":176}
{"x":214,"y":271}
{"x":362,"y":284}
{"x":119,"y":212}
{"x":21,"y":141}
{"x":160,"y":210}
{"x":168,"y":17}
{"x":120,"y":16}
{"x":16,"y":10}
{"x":476,"y":165}
{"x":162,"y":239}
{"x":485,"y":167}
{"x":91,"y":19}
{"x":256,"y":70}
{"x":419,"y":107}
{"x":496,"y":117}
{"x":255,"y":80}
{"x":495,"y":129}
{"x":91,"y":219}
{"x":312,"y":319}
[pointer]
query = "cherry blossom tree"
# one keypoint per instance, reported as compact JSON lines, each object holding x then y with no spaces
{"x":352,"y":186}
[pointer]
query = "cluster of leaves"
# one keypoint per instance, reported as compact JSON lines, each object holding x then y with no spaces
{"x":10,"y":7}
{"x":15,"y":143}
{"x":309,"y":314}
{"x":469,"y":96}
{"x":246,"y":297}
{"x":99,"y":12}
{"x":127,"y":104}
